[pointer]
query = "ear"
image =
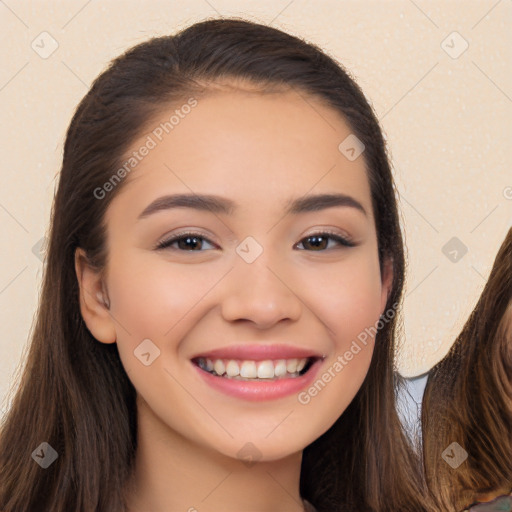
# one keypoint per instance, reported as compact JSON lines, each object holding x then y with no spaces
{"x":94,"y":302}
{"x":387,"y":283}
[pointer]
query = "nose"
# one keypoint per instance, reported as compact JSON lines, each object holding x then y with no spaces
{"x":258,"y":293}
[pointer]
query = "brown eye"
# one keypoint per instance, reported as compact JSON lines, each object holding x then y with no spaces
{"x":191,"y":242}
{"x":320,"y":241}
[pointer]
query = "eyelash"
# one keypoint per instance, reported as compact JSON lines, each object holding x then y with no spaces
{"x":166,"y":244}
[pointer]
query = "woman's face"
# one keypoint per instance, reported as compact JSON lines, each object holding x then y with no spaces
{"x":252,"y":276}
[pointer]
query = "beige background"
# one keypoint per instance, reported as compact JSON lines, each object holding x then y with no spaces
{"x":447,"y":118}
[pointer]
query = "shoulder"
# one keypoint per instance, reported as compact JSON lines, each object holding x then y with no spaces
{"x":502,"y":503}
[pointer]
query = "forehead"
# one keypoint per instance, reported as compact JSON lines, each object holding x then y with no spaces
{"x":257,"y":148}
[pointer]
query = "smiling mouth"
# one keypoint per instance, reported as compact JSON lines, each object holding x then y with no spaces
{"x":256,"y":371}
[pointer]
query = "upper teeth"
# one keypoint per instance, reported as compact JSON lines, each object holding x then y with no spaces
{"x":267,"y":369}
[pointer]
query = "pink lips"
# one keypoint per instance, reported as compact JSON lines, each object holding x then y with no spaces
{"x":260,"y":390}
{"x":258,"y":352}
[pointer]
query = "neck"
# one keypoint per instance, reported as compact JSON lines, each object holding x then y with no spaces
{"x":171,"y":473}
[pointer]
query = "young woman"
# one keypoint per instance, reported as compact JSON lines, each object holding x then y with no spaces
{"x":216,"y":328}
{"x":468,"y":401}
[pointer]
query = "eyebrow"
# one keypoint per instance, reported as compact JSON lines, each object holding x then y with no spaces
{"x":222,"y":205}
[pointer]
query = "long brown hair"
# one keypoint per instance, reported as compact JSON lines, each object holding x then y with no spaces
{"x":75,"y":394}
{"x":468,"y":399}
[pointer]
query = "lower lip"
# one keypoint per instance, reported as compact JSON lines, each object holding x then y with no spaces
{"x":261,"y":390}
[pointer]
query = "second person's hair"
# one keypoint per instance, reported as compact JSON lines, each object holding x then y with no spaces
{"x":468,"y":399}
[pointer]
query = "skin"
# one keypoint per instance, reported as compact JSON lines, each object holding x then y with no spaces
{"x":260,"y":151}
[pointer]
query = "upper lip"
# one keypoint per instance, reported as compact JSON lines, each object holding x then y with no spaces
{"x":259,"y":352}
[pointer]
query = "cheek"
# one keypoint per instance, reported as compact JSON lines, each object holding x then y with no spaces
{"x":154,"y":298}
{"x":346,"y":296}
{"x":347,"y":300}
